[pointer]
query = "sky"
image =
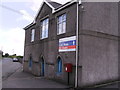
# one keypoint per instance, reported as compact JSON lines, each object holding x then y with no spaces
{"x":14,"y":16}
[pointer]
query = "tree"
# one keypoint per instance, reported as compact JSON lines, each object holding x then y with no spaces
{"x":6,"y":55}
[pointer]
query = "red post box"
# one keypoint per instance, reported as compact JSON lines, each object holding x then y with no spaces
{"x":68,"y":67}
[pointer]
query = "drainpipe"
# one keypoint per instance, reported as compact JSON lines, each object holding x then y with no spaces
{"x":77,"y":44}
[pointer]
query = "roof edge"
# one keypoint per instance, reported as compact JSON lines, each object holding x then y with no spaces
{"x":28,"y":26}
{"x":67,"y":4}
{"x":45,"y":1}
{"x":54,"y":10}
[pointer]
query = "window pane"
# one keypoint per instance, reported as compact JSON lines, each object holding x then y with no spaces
{"x":60,"y":19}
{"x":46,"y":33}
{"x":60,"y":28}
{"x":64,"y":17}
{"x":43,"y":27}
{"x":32,"y":35}
{"x":46,"y":27}
{"x":42,"y":34}
{"x":47,"y":30}
{"x":64,"y":27}
{"x":46,"y":21}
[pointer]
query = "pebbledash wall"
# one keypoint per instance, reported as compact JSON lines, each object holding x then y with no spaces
{"x":98,"y":43}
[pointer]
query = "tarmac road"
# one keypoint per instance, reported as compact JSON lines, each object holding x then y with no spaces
{"x":9,"y":67}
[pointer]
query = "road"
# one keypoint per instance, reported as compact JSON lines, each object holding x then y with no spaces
{"x":9,"y":67}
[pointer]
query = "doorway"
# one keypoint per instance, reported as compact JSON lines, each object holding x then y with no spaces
{"x":42,"y":67}
{"x":59,"y":65}
{"x":30,"y":63}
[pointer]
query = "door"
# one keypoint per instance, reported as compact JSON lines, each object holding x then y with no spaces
{"x":42,"y":65}
{"x":59,"y":65}
{"x":42,"y":71}
{"x":30,"y":63}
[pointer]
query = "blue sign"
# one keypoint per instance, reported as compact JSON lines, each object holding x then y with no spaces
{"x":67,"y":44}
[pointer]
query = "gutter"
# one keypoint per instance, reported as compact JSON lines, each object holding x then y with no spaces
{"x":28,"y":26}
{"x":77,"y":44}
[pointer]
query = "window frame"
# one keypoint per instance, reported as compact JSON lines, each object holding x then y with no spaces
{"x":44,"y":28}
{"x":61,"y":20}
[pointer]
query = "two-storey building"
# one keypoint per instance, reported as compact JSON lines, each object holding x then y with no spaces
{"x":50,"y":42}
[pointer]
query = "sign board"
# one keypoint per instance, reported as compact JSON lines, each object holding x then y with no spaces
{"x":67,"y":44}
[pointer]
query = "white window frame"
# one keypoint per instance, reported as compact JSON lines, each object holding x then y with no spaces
{"x":32,"y":35}
{"x":44,"y":28}
{"x":61,"y":24}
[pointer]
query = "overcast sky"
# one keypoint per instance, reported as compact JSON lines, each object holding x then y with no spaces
{"x":14,"y":16}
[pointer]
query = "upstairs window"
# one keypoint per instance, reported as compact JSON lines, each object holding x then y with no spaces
{"x":32,"y":35}
{"x":44,"y":27}
{"x":61,"y":24}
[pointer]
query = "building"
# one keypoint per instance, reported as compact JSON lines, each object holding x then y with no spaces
{"x":1,"y":53}
{"x":48,"y":46}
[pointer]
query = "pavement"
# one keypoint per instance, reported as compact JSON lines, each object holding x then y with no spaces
{"x":21,"y":79}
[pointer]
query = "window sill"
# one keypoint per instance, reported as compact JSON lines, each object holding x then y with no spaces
{"x":43,"y":38}
{"x":32,"y":41}
{"x":61,"y":33}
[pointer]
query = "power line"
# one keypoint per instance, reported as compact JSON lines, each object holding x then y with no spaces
{"x":13,"y":10}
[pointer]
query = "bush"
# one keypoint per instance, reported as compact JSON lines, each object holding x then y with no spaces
{"x":19,"y":56}
{"x":10,"y":56}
